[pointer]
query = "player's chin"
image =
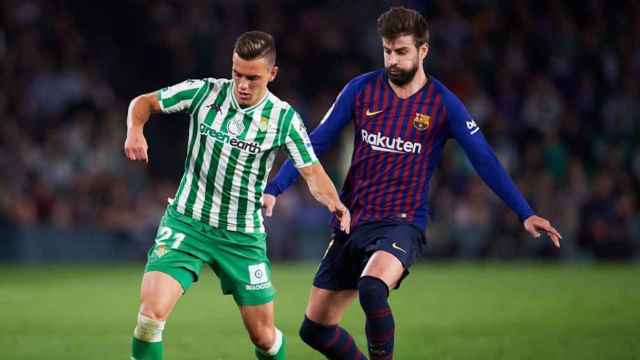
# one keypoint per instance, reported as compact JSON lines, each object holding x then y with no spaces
{"x":400,"y":78}
{"x":244,"y":100}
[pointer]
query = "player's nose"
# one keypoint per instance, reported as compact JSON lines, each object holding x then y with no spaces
{"x":392,"y":60}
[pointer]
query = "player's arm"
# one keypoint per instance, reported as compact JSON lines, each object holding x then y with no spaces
{"x":172,"y":99}
{"x":303,"y":157}
{"x":323,"y":190}
{"x":324,"y":135}
{"x":467,"y":133}
{"x":140,"y":109}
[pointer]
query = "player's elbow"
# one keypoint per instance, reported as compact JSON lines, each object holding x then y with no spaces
{"x":146,"y":102}
{"x":310,"y":173}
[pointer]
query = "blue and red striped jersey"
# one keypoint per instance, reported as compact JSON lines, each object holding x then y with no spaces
{"x":398,"y":144}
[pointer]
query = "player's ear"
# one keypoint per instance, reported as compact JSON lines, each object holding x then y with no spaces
{"x":273,"y":73}
{"x":423,"y":50}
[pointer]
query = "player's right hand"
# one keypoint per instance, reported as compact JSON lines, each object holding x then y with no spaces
{"x":135,"y":146}
{"x":344,"y":216}
{"x":268,"y":202}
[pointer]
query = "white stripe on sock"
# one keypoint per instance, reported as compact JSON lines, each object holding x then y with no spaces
{"x":148,"y":330}
{"x":276,"y":345}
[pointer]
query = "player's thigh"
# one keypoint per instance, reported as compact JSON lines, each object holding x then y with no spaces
{"x":386,"y":267}
{"x":258,"y":319}
{"x":241,"y":263}
{"x":394,"y":250}
{"x":173,"y":264}
{"x":159,"y":293}
{"x":327,"y":307}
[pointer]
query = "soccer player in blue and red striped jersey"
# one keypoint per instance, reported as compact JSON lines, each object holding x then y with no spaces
{"x":402,"y":118}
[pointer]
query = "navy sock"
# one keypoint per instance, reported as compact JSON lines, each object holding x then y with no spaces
{"x":332,"y":341}
{"x":380,"y":327}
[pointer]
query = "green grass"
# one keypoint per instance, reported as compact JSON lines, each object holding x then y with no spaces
{"x":454,"y":311}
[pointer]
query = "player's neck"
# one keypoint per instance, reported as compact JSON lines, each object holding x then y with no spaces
{"x":407,"y":90}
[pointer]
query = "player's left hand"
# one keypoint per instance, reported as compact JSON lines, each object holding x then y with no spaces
{"x":535,"y":224}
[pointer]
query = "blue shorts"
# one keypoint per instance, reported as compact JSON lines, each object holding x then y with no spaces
{"x":348,"y":254}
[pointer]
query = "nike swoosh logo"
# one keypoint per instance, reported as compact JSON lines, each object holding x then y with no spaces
{"x":371,"y":113}
{"x":395,"y":246}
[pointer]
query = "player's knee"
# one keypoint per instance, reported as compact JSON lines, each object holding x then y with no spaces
{"x":154,"y":311}
{"x":371,"y":290}
{"x":311,"y":332}
{"x":148,"y":329}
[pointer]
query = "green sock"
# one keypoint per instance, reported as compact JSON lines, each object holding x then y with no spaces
{"x":142,"y":350}
{"x":281,"y":355}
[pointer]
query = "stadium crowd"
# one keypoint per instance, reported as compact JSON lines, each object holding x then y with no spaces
{"x":553,"y":85}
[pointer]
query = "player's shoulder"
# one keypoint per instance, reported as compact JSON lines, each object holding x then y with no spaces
{"x":449,"y":99}
{"x":280,"y":104}
{"x":197,"y":83}
{"x":194,"y":81}
{"x":281,"y":109}
{"x":216,"y":82}
{"x":456,"y":111}
{"x":211,"y":81}
{"x":359,"y":82}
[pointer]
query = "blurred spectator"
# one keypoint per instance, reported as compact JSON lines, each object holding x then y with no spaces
{"x":553,"y":85}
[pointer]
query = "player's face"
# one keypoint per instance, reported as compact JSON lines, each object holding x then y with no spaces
{"x":402,"y":58}
{"x":251,"y":78}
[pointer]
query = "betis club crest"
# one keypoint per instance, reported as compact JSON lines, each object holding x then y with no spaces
{"x":264,"y":124}
{"x":421,"y":121}
{"x":160,"y":250}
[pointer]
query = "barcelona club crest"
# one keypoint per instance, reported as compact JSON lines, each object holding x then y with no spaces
{"x":421,"y":121}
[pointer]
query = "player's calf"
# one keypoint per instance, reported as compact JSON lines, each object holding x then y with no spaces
{"x":380,"y":326}
{"x":159,"y":294}
{"x":333,"y":341}
{"x":264,"y":337}
{"x":269,"y":344}
{"x":268,"y":340}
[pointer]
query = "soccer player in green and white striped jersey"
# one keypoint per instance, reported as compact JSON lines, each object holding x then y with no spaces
{"x":215,"y":218}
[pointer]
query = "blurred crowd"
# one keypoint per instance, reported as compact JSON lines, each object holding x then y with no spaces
{"x":553,"y":85}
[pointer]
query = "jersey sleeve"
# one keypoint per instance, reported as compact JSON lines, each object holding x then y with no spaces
{"x":466,"y":132}
{"x":179,"y":97}
{"x":298,"y":145}
{"x":340,"y":113}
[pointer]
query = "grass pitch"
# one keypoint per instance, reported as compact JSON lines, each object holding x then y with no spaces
{"x":452,"y":311}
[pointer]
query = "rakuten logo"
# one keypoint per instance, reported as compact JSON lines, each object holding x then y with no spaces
{"x":396,"y":145}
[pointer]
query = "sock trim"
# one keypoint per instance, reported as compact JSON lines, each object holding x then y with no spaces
{"x":148,"y":329}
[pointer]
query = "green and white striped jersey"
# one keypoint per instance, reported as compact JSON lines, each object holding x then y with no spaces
{"x":231,"y":151}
